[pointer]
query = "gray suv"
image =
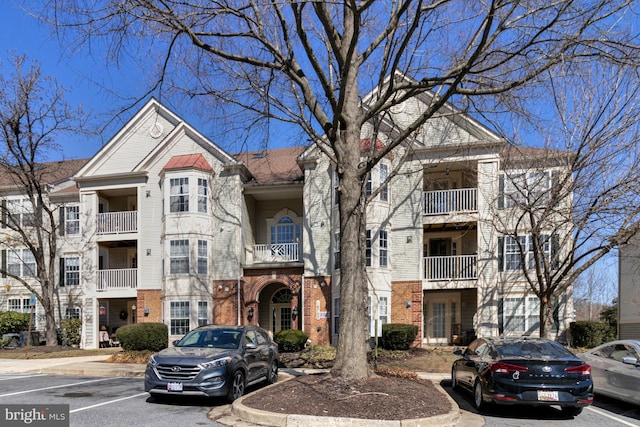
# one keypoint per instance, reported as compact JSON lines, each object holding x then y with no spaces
{"x":213,"y":361}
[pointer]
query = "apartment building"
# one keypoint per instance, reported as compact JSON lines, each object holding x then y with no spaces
{"x":629,"y":290}
{"x":162,"y":225}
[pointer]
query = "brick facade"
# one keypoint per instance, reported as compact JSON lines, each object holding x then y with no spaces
{"x":150,"y":299}
{"x":406,"y":305}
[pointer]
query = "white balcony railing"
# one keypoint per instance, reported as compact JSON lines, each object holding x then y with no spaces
{"x":278,"y":252}
{"x":117,"y":279}
{"x":461,"y":267}
{"x":117,"y":222}
{"x":450,"y":201}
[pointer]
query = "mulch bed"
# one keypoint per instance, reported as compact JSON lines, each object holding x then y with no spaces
{"x":378,"y":397}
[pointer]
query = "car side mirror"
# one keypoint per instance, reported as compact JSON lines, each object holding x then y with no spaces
{"x":458,"y":352}
{"x":250,"y":346}
{"x":175,"y":342}
{"x":630,"y":360}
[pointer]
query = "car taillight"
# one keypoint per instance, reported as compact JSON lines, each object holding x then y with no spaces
{"x":505,"y":368}
{"x":580,"y":369}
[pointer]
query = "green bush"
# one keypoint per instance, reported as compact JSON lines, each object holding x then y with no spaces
{"x":290,"y":340}
{"x":12,"y":322}
{"x":70,"y":330}
{"x":590,"y":334}
{"x":143,"y":336}
{"x":398,"y":336}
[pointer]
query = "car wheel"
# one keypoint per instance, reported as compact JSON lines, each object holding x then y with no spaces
{"x":571,"y":410}
{"x":454,"y":380}
{"x":478,"y":400}
{"x":236,"y":389}
{"x":272,"y":375}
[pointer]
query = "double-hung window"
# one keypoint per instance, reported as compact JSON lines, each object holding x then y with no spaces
{"x":383,"y":310}
{"x":70,"y":271}
{"x":203,"y":194}
{"x":203,"y":257}
{"x":179,"y":314}
{"x":71,"y":220}
{"x":336,"y":250}
{"x":203,"y":313}
{"x":520,"y":315}
{"x":179,"y":195}
{"x":179,"y":256}
{"x":528,"y":188}
{"x":384,"y":191}
{"x":20,"y":213}
{"x":512,"y":250}
{"x":336,"y":316}
{"x":21,"y":263}
{"x":383,"y":245}
{"x":368,"y":251}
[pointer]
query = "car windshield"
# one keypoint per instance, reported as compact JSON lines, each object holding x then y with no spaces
{"x":215,"y":338}
{"x":533,"y":349}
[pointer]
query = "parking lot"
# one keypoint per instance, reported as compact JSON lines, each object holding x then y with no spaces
{"x":103,"y":401}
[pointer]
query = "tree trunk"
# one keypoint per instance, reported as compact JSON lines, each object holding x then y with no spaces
{"x":546,"y":316}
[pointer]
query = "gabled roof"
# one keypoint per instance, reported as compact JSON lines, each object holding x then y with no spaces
{"x":49,"y":172}
{"x":188,"y":161}
{"x":277,"y":166}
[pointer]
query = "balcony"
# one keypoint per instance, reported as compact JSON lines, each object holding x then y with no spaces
{"x":461,"y":267}
{"x":462,"y":200}
{"x":117,"y":279}
{"x":277,"y":252}
{"x":117,"y":222}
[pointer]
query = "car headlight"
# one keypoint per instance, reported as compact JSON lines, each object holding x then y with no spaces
{"x":215,"y":363}
{"x":152,"y":361}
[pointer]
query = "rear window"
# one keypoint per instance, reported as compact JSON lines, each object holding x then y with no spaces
{"x":533,"y":349}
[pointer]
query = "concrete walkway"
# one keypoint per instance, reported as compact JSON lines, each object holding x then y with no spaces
{"x":238,"y":415}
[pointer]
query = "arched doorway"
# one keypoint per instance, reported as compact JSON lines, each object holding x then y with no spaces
{"x":281,"y":310}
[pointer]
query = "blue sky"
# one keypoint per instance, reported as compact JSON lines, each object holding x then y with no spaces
{"x":101,"y":91}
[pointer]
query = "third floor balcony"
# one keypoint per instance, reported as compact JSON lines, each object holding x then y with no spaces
{"x":274,"y":253}
{"x":460,"y":267}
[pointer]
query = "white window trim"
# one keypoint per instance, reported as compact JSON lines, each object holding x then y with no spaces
{"x":183,"y":304}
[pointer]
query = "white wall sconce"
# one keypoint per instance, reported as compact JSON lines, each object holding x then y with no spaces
{"x":408,"y":303}
{"x":148,"y":252}
{"x":148,"y":193}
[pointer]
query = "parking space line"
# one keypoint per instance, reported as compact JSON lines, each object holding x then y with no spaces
{"x":108,"y":402}
{"x":22,"y":376}
{"x":604,"y":414}
{"x":55,"y":386}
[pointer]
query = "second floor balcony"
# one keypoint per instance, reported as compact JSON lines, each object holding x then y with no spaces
{"x":117,"y":222}
{"x":117,"y":279}
{"x":460,"y":267}
{"x":439,"y":202}
{"x":276,"y":252}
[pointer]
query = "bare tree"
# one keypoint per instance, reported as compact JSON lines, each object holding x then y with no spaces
{"x":309,"y":62}
{"x":591,"y":292}
{"x":32,"y":115}
{"x":566,"y":205}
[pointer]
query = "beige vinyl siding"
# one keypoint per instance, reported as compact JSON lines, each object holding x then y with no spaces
{"x":317,"y":225}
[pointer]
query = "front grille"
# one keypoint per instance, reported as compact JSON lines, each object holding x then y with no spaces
{"x":177,"y":372}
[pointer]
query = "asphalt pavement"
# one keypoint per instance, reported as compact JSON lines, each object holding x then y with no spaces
{"x":237,"y":414}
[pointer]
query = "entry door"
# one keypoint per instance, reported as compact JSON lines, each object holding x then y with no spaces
{"x":440,"y":314}
{"x":281,"y":317}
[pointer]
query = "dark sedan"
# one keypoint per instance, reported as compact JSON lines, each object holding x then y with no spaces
{"x":531,"y":371}
{"x":213,"y":361}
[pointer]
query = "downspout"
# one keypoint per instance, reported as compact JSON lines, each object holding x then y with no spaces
{"x":301,"y":302}
{"x":238,"y":293}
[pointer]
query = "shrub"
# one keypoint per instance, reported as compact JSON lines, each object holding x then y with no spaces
{"x":290,"y":340}
{"x":143,"y":336}
{"x":12,"y":322}
{"x":590,"y":334}
{"x":398,"y":336}
{"x":70,"y":330}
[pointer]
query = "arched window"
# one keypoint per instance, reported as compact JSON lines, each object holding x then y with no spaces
{"x":283,"y":296}
{"x":285,"y":231}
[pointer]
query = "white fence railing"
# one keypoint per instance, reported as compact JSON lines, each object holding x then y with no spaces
{"x":461,"y":267}
{"x":117,"y":279}
{"x":279,"y":252}
{"x":117,"y":222}
{"x":450,"y":201}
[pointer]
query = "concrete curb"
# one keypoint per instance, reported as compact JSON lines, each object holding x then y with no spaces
{"x":266,"y":418}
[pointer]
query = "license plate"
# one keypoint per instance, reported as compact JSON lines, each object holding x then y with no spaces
{"x":174,"y":387}
{"x":548,"y":396}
